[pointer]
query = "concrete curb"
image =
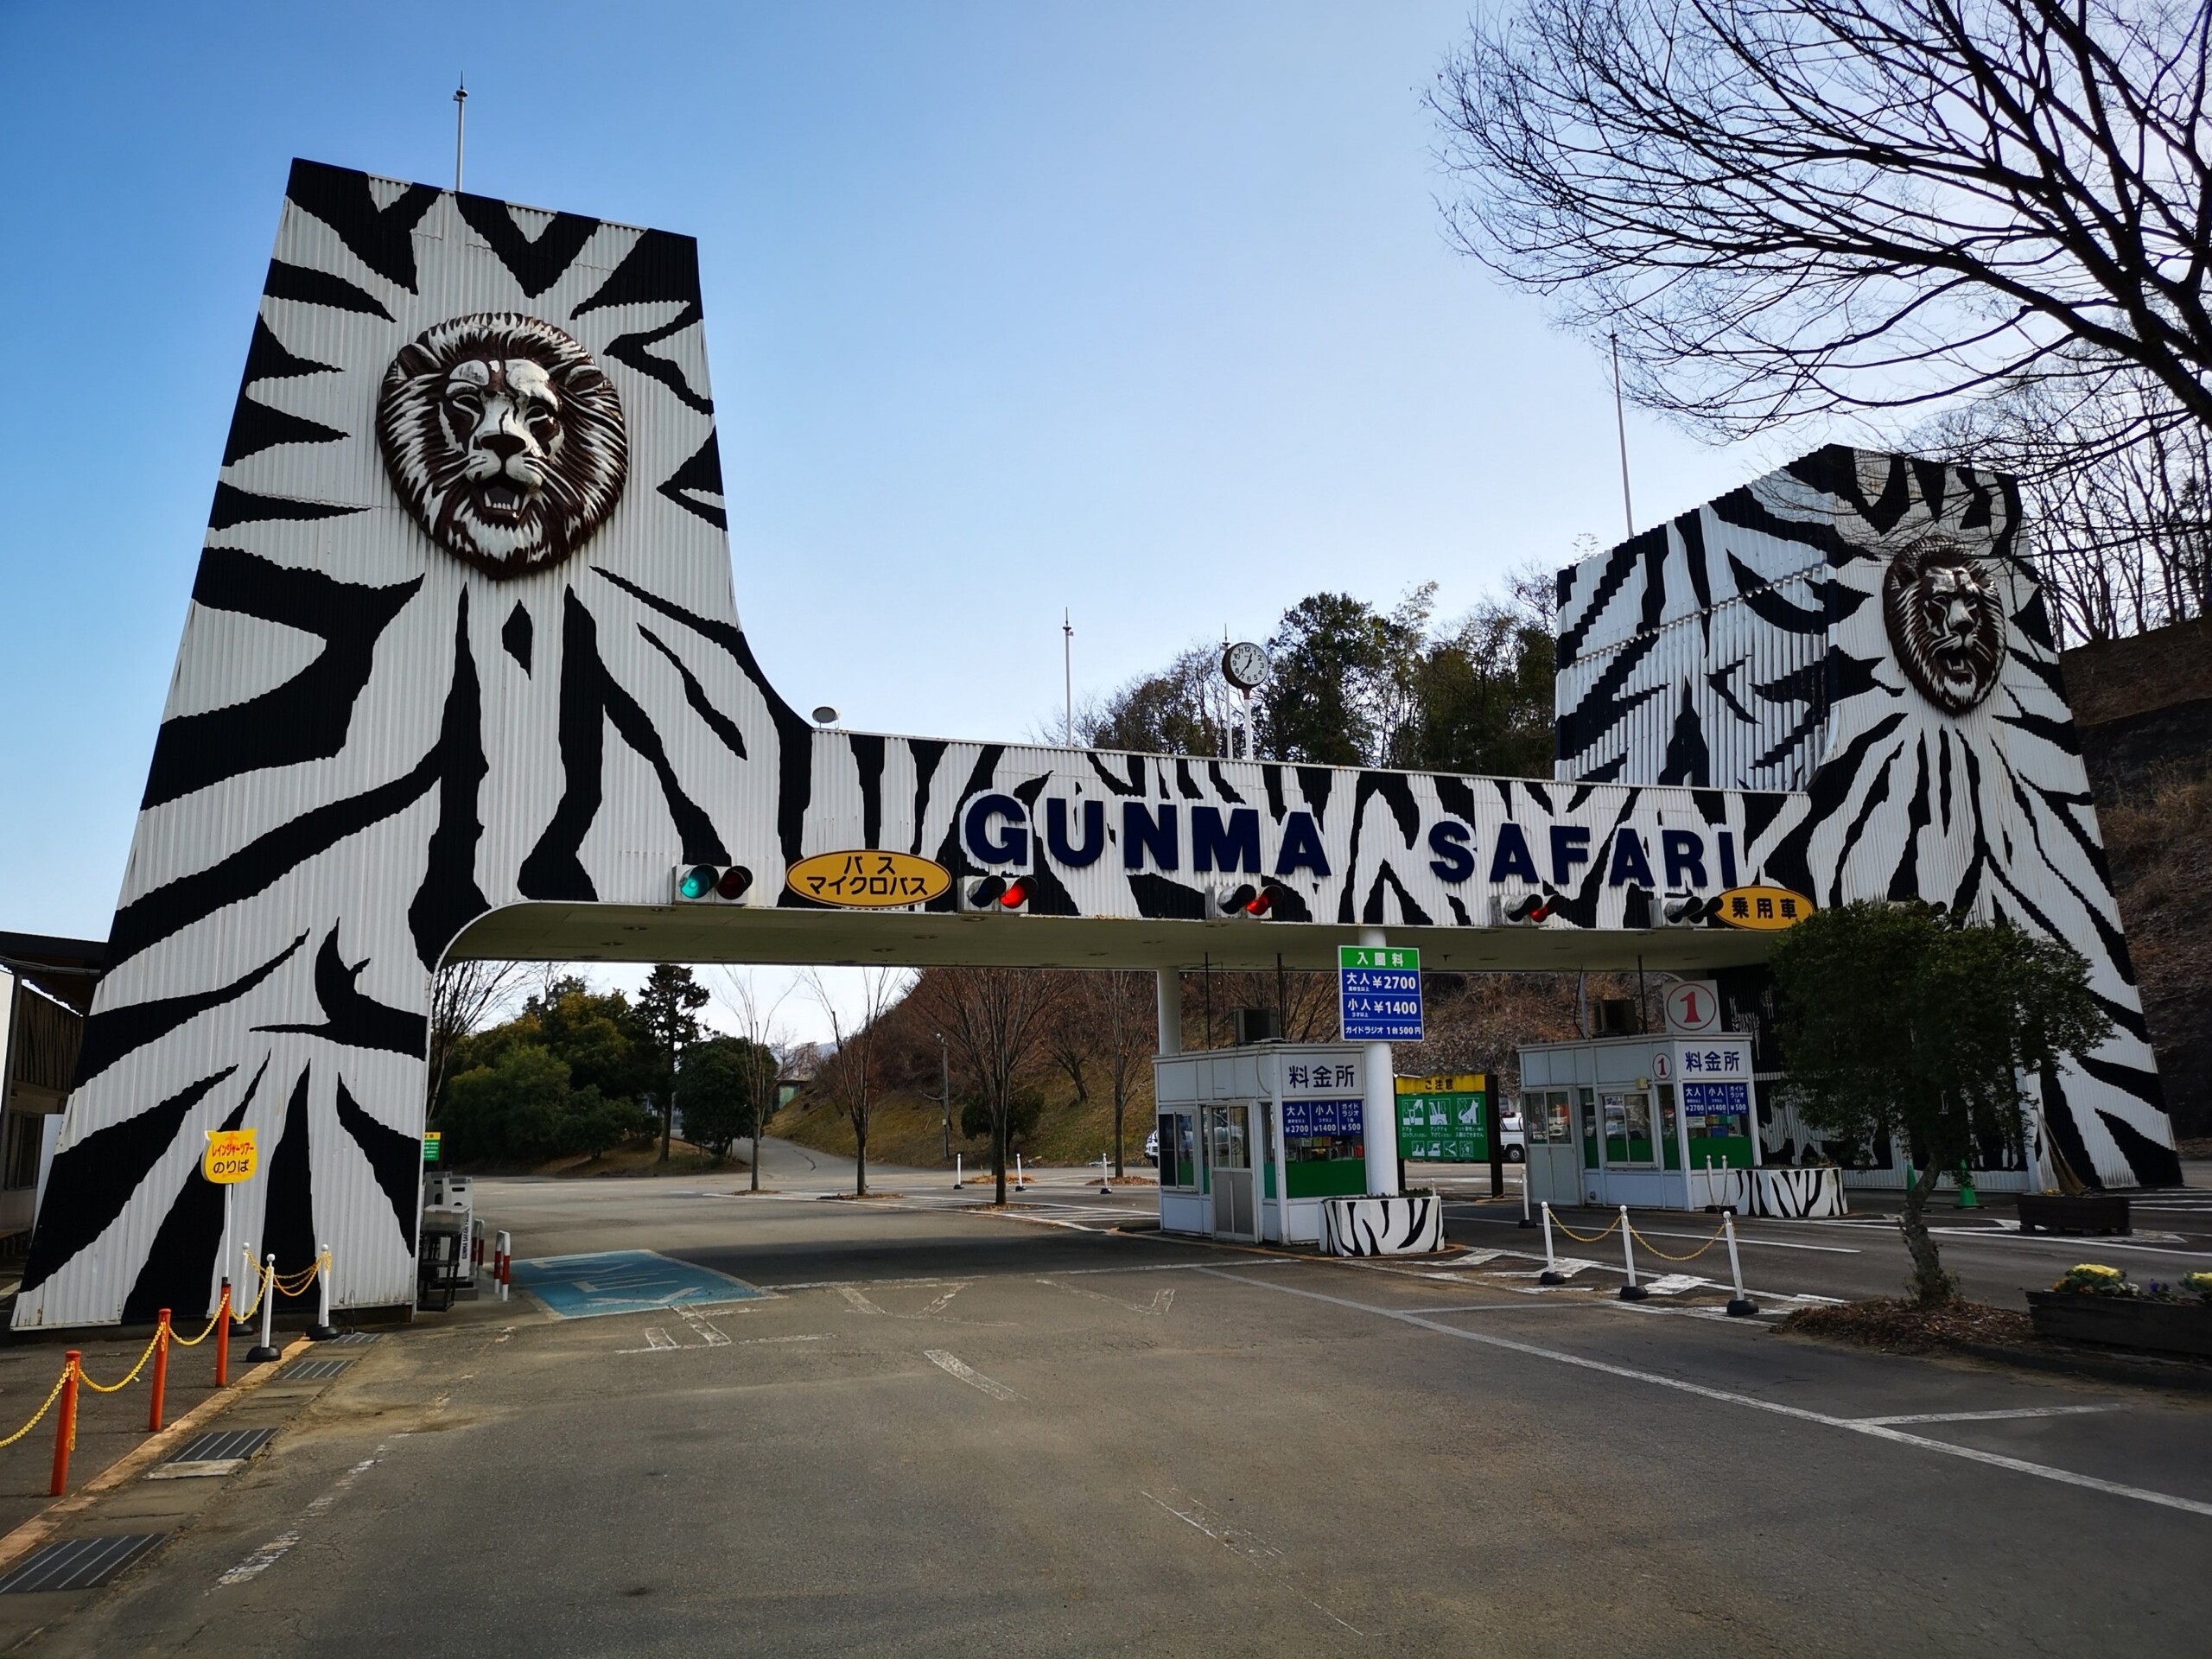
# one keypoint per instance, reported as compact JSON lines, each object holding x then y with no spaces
{"x":35,"y":1531}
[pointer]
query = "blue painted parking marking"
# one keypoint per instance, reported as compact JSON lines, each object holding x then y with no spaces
{"x":624,"y":1282}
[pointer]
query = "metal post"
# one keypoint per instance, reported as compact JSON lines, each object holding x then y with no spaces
{"x":1168,"y":988}
{"x":223,"y":1338}
{"x":1631,"y":1292}
{"x":956,"y":1176}
{"x":1380,"y":1104}
{"x":1620,"y":427}
{"x":323,"y":1331}
{"x":944,"y":1091}
{"x":459,"y":126}
{"x":1741,"y":1304}
{"x":1551,"y":1274}
{"x":266,"y":1350}
{"x":64,"y":1426}
{"x":1067,"y":666}
{"x":1525,"y":1220}
{"x":161,"y":1372}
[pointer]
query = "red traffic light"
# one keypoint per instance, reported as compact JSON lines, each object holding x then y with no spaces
{"x":733,"y":883}
{"x":1016,"y":894}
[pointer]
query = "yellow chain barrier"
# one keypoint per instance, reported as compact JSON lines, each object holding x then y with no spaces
{"x":1662,"y":1255}
{"x":241,"y":1315}
{"x":53,"y":1395}
{"x":306,"y":1277}
{"x":154,"y":1342}
{"x":213,"y":1319}
{"x":1580,"y":1238}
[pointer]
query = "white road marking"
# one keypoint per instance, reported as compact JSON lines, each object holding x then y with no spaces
{"x":1989,"y":1417}
{"x":700,"y":1327}
{"x":1878,"y":1431}
{"x":1242,"y":1542}
{"x":939,"y":1305}
{"x":1674,"y":1283}
{"x":274,"y":1551}
{"x":860,"y":1302}
{"x":261,"y":1561}
{"x":953,"y":1365}
{"x":1161,"y":1300}
{"x":657,"y":1341}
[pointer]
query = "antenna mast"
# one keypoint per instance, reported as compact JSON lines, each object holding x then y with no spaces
{"x":1620,"y":427}
{"x":1067,"y":667}
{"x":459,"y":128}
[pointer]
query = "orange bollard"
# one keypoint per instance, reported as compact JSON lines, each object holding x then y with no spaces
{"x":223,"y":1338}
{"x":161,"y":1372}
{"x":64,"y":1426}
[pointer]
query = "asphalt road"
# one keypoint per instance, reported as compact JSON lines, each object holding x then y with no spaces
{"x":952,"y":1432}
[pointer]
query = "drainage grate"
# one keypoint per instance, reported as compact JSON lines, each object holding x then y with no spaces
{"x":77,"y":1563}
{"x":352,"y":1340}
{"x":224,"y":1443}
{"x":315,"y":1370}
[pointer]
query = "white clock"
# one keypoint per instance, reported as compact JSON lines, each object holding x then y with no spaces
{"x":1245,"y":666}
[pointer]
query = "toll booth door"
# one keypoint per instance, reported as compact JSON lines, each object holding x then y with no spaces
{"x":1229,"y":1159}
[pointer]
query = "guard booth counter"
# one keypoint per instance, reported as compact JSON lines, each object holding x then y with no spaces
{"x":1253,"y":1139}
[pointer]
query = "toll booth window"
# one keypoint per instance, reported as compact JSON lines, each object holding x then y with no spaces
{"x":1178,"y":1163}
{"x":1544,"y":1116}
{"x":1628,"y":1128}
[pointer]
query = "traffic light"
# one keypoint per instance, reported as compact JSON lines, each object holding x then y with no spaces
{"x":1529,"y":911}
{"x":1252,"y":902}
{"x":1688,"y":911}
{"x":711,"y":884}
{"x":997,"y":895}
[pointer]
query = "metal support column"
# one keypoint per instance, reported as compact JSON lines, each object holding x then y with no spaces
{"x":1381,"y":1104}
{"x":1171,"y":1010}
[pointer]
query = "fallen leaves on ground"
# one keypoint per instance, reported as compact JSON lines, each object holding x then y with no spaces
{"x":1898,"y":1326}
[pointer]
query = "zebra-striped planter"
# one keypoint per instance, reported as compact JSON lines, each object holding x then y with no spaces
{"x":1411,"y":1225}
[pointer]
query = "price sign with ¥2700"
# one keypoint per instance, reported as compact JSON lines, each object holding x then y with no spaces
{"x":1379,"y":993}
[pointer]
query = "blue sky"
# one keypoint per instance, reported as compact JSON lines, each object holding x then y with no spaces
{"x":1143,"y":310}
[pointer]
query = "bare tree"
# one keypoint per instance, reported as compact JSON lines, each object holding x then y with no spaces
{"x":848,"y":1075}
{"x":993,"y":1019}
{"x":737,"y":992}
{"x":2116,"y":484}
{"x":1785,"y":207}
{"x":1069,"y":1039}
{"x":463,"y":998}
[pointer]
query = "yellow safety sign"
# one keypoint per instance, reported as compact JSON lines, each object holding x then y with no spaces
{"x":1462,"y":1083}
{"x":232,"y":1156}
{"x":868,"y":880}
{"x":1763,"y":909}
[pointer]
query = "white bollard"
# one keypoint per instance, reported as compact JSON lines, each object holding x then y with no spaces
{"x":957,"y":1176}
{"x":1525,"y":1220}
{"x":1741,"y":1304}
{"x":266,"y":1350}
{"x":1020,"y":1177}
{"x":323,"y":1331}
{"x":1105,"y":1176}
{"x":1631,"y":1292}
{"x":1551,"y":1274}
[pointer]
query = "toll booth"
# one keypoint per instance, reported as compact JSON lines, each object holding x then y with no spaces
{"x":1253,"y":1139}
{"x":1660,"y":1121}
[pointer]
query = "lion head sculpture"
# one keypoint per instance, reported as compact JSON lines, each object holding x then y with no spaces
{"x":504,"y":440}
{"x":1944,"y":623}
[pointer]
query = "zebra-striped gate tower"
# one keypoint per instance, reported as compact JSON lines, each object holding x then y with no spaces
{"x":462,"y":676}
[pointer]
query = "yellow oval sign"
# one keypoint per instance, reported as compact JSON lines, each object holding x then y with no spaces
{"x":1763,"y":909}
{"x":868,"y":880}
{"x":232,"y":1157}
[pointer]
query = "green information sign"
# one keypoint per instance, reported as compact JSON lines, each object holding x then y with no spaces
{"x":1444,"y":1120}
{"x":430,"y":1146}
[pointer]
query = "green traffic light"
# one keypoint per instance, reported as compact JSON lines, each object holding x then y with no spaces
{"x":698,"y":881}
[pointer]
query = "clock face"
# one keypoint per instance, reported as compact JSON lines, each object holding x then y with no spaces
{"x":1245,"y":666}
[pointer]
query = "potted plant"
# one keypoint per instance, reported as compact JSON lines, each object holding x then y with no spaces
{"x":2094,"y":1303}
